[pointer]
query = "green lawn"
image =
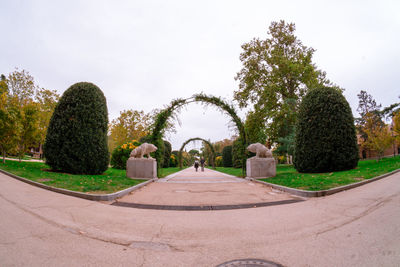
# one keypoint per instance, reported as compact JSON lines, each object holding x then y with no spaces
{"x":228,"y":170}
{"x":112,"y":180}
{"x":167,"y":171}
{"x":286,"y":175}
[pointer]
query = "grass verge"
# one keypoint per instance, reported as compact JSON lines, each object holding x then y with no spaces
{"x":287,"y":175}
{"x":113,"y":180}
{"x":229,"y":170}
{"x":167,"y":171}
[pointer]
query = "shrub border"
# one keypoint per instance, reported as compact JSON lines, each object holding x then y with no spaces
{"x":321,"y":193}
{"x":93,"y":197}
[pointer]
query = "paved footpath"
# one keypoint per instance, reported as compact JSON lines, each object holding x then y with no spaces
{"x":358,"y":227}
{"x":210,"y":187}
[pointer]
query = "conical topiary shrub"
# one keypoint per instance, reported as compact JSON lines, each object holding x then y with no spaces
{"x":76,"y":140}
{"x":325,"y":133}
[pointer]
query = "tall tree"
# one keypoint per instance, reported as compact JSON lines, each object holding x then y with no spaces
{"x":276,"y":73}
{"x":130,"y":125}
{"x":255,"y":126}
{"x":391,"y":110}
{"x":219,"y":145}
{"x":3,"y":84}
{"x":9,"y":118}
{"x":23,"y":109}
{"x":379,"y":137}
{"x":25,"y":112}
{"x":21,"y":85}
{"x":47,"y":100}
{"x":28,"y":128}
{"x":396,"y":126}
{"x":370,"y":116}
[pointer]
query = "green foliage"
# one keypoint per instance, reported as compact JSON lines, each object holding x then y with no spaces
{"x":227,"y":156}
{"x":210,"y":146}
{"x":25,"y":111}
{"x":218,"y":161}
{"x":167,"y":154}
{"x":370,"y":115}
{"x":396,"y":126}
{"x":28,"y":128}
{"x":131,"y":124}
{"x":238,"y":153}
{"x":3,"y":84}
{"x":391,"y":110}
{"x":9,"y":123}
{"x":326,"y":137}
{"x":379,"y":138}
{"x":121,"y":154}
{"x":161,"y":119}
{"x":21,"y":105}
{"x":256,"y":127}
{"x":47,"y":100}
{"x":159,"y":126}
{"x":276,"y":74}
{"x":145,"y":139}
{"x":173,"y":162}
{"x":286,"y":145}
{"x":76,"y":140}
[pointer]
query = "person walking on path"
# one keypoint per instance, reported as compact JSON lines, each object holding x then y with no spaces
{"x":196,"y":165}
{"x":202,"y":161}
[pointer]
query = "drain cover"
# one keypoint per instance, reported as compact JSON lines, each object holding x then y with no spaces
{"x":249,"y":263}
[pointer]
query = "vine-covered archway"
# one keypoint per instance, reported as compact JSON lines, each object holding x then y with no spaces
{"x":158,"y":127}
{"x":194,"y":139}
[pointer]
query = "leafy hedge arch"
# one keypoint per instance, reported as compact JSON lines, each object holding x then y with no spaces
{"x":158,"y":127}
{"x":194,"y":139}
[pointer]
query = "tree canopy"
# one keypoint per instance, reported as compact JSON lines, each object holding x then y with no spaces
{"x":25,"y":112}
{"x":276,"y":74}
{"x":130,"y":125}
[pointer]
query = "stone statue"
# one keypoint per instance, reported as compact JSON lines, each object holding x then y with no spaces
{"x":263,"y":165}
{"x":260,"y":150}
{"x":143,"y":149}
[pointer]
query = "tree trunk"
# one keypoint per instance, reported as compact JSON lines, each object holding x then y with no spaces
{"x":4,"y":155}
{"x":40,"y":151}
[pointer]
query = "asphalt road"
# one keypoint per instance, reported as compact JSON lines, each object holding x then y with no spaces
{"x":359,"y":227}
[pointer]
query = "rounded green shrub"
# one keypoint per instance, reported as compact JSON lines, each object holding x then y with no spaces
{"x":227,"y":156}
{"x":76,"y":140}
{"x":325,"y":138}
{"x":121,"y":154}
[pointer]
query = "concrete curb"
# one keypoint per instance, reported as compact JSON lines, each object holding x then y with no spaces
{"x":205,"y":207}
{"x":321,"y":193}
{"x":95,"y":197}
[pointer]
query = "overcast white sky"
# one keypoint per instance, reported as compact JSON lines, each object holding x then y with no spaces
{"x":143,"y":54}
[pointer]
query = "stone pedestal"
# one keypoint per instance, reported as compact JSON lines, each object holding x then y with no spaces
{"x":260,"y":167}
{"x":141,"y":168}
